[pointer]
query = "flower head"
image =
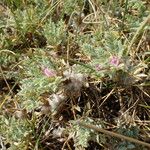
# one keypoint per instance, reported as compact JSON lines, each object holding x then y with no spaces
{"x":49,"y":72}
{"x":98,"y":67}
{"x":114,"y":60}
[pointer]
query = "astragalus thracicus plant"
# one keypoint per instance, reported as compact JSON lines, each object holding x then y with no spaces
{"x":74,"y":74}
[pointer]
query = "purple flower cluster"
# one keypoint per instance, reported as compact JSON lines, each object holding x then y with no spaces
{"x":49,"y":72}
{"x":115,"y":61}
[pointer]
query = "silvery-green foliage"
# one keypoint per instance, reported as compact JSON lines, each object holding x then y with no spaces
{"x":141,"y":10}
{"x":34,"y":82}
{"x":94,"y":52}
{"x":72,"y":5}
{"x":23,"y":21}
{"x":82,"y":135}
{"x":137,"y":4}
{"x":32,"y":88}
{"x":19,"y":20}
{"x":14,"y":130}
{"x":99,"y":54}
{"x":55,"y":33}
{"x":7,"y":58}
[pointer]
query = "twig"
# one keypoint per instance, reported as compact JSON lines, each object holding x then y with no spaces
{"x":48,"y":12}
{"x":5,"y":50}
{"x":93,"y":8}
{"x":10,"y":90}
{"x":110,"y":133}
{"x":107,"y":96}
{"x":138,"y":32}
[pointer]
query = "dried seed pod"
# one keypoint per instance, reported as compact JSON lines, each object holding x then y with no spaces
{"x":45,"y":109}
{"x":20,"y":114}
{"x":73,"y":83}
{"x":58,"y":132}
{"x":56,"y":101}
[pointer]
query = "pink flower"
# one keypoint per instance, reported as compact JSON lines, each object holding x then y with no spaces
{"x":49,"y":72}
{"x":98,"y":67}
{"x":114,"y":60}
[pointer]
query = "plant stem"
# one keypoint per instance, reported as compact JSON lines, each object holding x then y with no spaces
{"x":138,"y":32}
{"x":110,"y":133}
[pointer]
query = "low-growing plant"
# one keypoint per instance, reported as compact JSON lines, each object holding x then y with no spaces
{"x":64,"y":61}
